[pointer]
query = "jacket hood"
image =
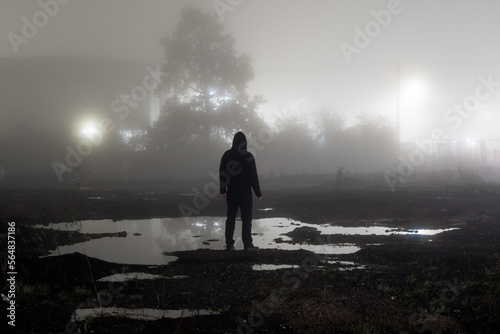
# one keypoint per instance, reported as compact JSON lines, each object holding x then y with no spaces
{"x":239,"y":141}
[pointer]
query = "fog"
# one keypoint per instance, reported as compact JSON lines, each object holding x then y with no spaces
{"x":141,"y":91}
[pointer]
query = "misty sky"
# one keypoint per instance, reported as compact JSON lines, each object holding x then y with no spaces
{"x":443,"y":47}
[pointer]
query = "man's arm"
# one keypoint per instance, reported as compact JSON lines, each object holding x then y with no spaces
{"x":254,"y":179}
{"x":223,"y":176}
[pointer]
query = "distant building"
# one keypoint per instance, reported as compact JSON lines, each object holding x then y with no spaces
{"x":135,"y":128}
{"x":472,"y":152}
{"x":475,"y":152}
{"x":45,"y":100}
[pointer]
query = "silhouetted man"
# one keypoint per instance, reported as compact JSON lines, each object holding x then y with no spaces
{"x":238,"y":176}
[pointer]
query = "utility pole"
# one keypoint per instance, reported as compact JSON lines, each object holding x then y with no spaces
{"x":398,"y":108}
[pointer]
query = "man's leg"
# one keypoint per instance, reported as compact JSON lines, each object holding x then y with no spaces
{"x":246,"y":217}
{"x":232,"y":211}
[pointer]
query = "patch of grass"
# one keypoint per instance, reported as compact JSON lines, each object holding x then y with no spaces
{"x":84,"y":328}
{"x":139,"y":328}
{"x":31,"y":292}
{"x":411,"y":279}
{"x":385,"y":288}
{"x":81,"y":291}
{"x":493,"y":276}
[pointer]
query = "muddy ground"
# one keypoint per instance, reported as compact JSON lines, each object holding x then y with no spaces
{"x":447,"y":283}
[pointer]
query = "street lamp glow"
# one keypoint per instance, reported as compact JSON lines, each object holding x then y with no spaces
{"x":89,"y":130}
{"x":414,"y":89}
{"x":412,"y":115}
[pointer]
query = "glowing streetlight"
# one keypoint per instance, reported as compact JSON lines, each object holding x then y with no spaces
{"x":414,"y":90}
{"x":89,"y":130}
{"x":411,"y":92}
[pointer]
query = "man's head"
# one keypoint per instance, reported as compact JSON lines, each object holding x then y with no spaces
{"x":240,"y":141}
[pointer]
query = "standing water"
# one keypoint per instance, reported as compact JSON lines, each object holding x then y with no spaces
{"x":148,"y":239}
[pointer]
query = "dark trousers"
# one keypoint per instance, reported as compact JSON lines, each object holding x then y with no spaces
{"x":239,"y":198}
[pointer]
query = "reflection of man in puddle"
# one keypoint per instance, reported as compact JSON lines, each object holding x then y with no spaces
{"x":238,"y":176}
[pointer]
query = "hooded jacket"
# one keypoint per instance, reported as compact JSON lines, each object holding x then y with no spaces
{"x":237,"y":167}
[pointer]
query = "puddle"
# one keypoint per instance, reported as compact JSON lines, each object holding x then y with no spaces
{"x":140,"y":314}
{"x":347,"y":265}
{"x":264,"y":267}
{"x":147,"y":240}
{"x":374,"y":230}
{"x":341,"y":266}
{"x":135,"y":276}
{"x":266,"y":209}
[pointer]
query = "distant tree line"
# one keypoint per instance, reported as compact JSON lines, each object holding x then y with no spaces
{"x":205,"y":83}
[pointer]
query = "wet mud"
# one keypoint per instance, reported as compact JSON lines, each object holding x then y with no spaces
{"x":401,"y":282}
